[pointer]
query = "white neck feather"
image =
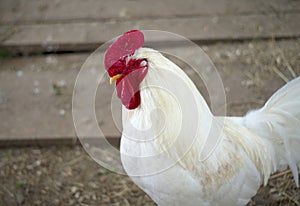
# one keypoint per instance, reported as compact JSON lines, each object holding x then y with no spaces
{"x":170,"y":102}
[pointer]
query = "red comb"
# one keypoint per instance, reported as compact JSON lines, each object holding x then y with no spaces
{"x":125,"y":45}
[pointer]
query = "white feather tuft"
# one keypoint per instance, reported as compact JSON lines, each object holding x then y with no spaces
{"x":278,"y":122}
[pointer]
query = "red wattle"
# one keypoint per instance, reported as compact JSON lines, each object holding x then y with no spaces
{"x":128,"y":88}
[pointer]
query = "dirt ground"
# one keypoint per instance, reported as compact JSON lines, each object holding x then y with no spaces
{"x":66,"y":175}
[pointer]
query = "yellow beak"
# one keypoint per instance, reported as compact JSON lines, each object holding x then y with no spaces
{"x":114,"y":78}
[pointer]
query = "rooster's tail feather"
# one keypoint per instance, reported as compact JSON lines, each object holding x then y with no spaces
{"x":278,"y":123}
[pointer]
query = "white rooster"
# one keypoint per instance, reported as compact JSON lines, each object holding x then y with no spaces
{"x":162,"y":141}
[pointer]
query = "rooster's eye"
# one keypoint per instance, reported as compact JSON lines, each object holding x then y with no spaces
{"x":143,"y":63}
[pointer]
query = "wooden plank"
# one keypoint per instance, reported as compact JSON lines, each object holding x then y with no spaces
{"x":20,"y":11}
{"x":31,"y":110}
{"x":78,"y":36}
{"x":5,"y":32}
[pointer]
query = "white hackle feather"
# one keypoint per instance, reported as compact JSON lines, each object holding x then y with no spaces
{"x":249,"y":150}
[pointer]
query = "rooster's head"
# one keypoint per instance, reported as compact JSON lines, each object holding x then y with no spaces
{"x":127,"y":71}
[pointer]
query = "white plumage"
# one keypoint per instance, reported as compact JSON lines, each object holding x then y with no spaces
{"x":250,"y":148}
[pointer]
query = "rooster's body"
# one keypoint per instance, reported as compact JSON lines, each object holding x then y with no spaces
{"x":170,"y":158}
